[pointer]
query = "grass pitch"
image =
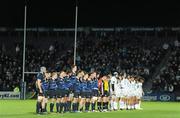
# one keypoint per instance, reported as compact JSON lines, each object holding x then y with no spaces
{"x":26,"y":109}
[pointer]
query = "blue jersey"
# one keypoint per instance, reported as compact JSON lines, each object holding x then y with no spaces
{"x":77,"y":86}
{"x":68,"y":83}
{"x":73,"y":79}
{"x":89,"y":86}
{"x":94,"y":85}
{"x":52,"y":84}
{"x":64,"y":84}
{"x":45,"y":85}
{"x":84,"y":86}
{"x":60,"y":83}
{"x":40,"y":76}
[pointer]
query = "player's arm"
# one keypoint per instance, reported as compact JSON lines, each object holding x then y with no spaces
{"x":112,"y":85}
{"x":39,"y":85}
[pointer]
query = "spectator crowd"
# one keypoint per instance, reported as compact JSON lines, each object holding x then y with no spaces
{"x":104,"y":52}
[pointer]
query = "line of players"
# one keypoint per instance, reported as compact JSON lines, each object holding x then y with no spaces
{"x":72,"y":91}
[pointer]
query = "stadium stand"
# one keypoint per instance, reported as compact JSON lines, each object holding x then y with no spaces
{"x":137,"y":53}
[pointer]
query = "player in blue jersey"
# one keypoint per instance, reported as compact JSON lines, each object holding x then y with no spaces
{"x":62,"y":91}
{"x":40,"y":106}
{"x":60,"y":83}
{"x":71,"y":80}
{"x":45,"y":88}
{"x":94,"y":87}
{"x":52,"y":90}
{"x":83,"y":85}
{"x":68,"y":85}
{"x":77,"y":92}
{"x":88,"y":94}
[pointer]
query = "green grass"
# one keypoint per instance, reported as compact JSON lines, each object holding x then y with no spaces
{"x":26,"y":109}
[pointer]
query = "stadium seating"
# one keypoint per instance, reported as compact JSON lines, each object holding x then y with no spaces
{"x":103,"y":51}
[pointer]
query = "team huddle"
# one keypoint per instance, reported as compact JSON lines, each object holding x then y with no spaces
{"x":79,"y":91}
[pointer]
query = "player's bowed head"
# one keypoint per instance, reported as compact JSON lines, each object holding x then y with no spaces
{"x":43,"y":69}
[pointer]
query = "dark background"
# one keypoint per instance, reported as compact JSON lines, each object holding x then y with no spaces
{"x":98,"y":13}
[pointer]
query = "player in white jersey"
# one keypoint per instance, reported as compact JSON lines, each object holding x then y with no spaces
{"x":120,"y":94}
{"x":139,"y":92}
{"x":113,"y":91}
{"x":130,"y":85}
{"x":124,"y":88}
{"x":132,"y":92}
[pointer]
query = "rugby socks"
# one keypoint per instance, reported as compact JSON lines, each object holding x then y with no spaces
{"x":65,"y":107}
{"x":115,"y":105}
{"x":81,"y":109}
{"x":106,"y":105}
{"x":121,"y":104}
{"x":92,"y":106}
{"x":77,"y":106}
{"x":128,"y":107}
{"x":43,"y":110}
{"x":38,"y":107}
{"x":45,"y":107}
{"x":99,"y":106}
{"x":69,"y":106}
{"x":61,"y":107}
{"x":112,"y":105}
{"x":51,"y":107}
{"x":87,"y":104}
{"x":74,"y":107}
{"x":57,"y":107}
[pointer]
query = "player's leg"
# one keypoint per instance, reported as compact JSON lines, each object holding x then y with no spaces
{"x":38,"y":104}
{"x":44,"y":104}
{"x":52,"y":100}
{"x":69,"y":100}
{"x":45,"y":100}
{"x":121,"y":99}
{"x":87,"y":103}
{"x":82,"y":101}
{"x":93,"y":100}
{"x":61,"y":105}
{"x":99,"y":103}
{"x":66,"y":98}
{"x":105,"y":102}
{"x":75,"y":102}
{"x":112,"y":102}
{"x":138,"y":104}
{"x":121,"y":103}
{"x":58,"y":101}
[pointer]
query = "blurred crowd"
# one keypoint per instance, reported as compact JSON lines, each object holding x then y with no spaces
{"x":169,"y":78}
{"x":104,"y":52}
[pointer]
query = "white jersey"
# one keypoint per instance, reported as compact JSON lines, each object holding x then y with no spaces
{"x":125,"y":86}
{"x":139,"y":86}
{"x":117,"y":87}
{"x":125,"y":83}
{"x":139,"y":90}
{"x":113,"y":81}
{"x":132,"y":88}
